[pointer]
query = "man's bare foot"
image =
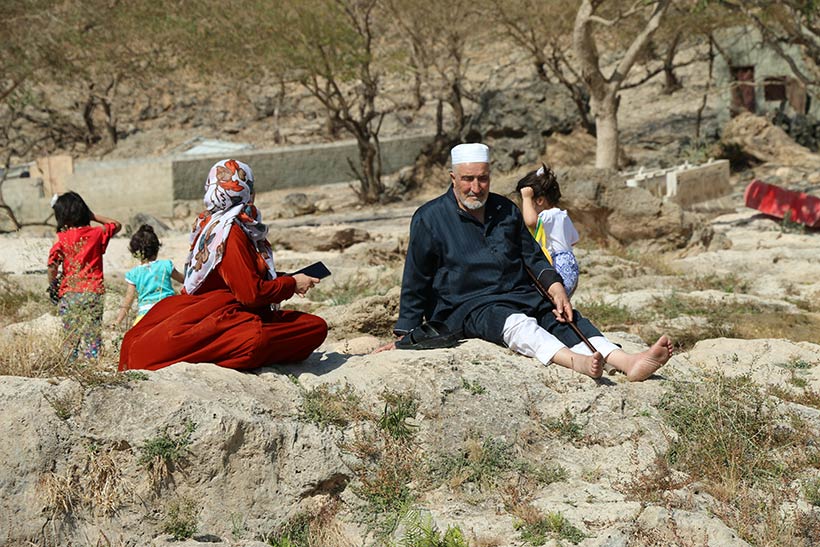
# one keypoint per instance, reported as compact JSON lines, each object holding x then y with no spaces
{"x":591,"y":365}
{"x":387,"y":347}
{"x":644,"y":364}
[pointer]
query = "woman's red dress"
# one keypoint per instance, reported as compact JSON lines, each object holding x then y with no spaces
{"x":227,"y":322}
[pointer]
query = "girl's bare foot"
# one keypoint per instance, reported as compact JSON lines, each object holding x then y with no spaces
{"x":591,"y":365}
{"x":643,"y":365}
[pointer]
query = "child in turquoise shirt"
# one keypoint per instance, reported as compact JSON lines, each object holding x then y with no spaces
{"x":149,"y":282}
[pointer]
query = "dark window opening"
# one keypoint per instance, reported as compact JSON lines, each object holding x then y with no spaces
{"x":743,"y":89}
{"x":774,"y":89}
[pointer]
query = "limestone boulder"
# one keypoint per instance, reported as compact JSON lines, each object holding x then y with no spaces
{"x":515,"y":121}
{"x":605,"y":209}
{"x":758,"y":138}
{"x":249,"y":455}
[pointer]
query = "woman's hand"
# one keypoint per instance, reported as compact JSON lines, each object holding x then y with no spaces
{"x":304,"y":283}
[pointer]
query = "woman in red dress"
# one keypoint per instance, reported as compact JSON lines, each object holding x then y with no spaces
{"x":228,"y":312}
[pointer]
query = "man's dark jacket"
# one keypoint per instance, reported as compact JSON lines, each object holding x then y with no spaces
{"x":456,"y":267}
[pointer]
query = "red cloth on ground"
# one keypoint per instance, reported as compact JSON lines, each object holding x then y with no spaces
{"x":80,"y":251}
{"x":227,"y":322}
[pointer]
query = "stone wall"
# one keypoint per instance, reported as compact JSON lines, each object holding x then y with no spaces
{"x":122,"y":188}
{"x":296,"y":166}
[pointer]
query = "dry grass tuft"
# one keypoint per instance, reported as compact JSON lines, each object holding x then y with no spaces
{"x":60,"y":491}
{"x":746,"y":450}
{"x":654,"y":483}
{"x":104,"y":488}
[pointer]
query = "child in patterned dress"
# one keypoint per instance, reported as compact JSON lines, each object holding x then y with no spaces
{"x":149,"y":282}
{"x":75,"y":272}
{"x":549,"y":225}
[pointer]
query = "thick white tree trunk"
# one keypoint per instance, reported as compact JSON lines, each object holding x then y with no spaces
{"x":603,"y":90}
{"x":607,"y":143}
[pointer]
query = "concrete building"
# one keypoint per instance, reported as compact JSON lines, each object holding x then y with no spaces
{"x":758,"y":79}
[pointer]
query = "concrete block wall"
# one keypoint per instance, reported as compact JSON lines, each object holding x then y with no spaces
{"x":296,"y":166}
{"x":29,"y":200}
{"x":685,"y":184}
{"x":122,"y":188}
{"x":702,"y":183}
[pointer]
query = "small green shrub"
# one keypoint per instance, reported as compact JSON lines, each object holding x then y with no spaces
{"x":790,"y":226}
{"x":65,"y":406}
{"x":564,"y":426}
{"x":481,"y":462}
{"x":473,"y":387}
{"x":795,"y":363}
{"x":161,"y":454}
{"x":330,"y":405}
{"x":398,"y":409}
{"x":387,"y":461}
{"x":805,"y":397}
{"x":811,"y":489}
{"x":181,"y":518}
{"x":543,"y":474}
{"x":135,"y":375}
{"x":168,"y":446}
{"x":421,"y":531}
{"x":294,"y":533}
{"x":730,"y":283}
{"x":552,"y":525}
{"x":607,"y":315}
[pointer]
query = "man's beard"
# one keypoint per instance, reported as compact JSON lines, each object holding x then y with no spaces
{"x":472,"y":205}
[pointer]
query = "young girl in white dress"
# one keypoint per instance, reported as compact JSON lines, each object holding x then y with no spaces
{"x":549,"y":225}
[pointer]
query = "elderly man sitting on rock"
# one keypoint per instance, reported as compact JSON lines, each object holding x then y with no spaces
{"x":466,"y":276}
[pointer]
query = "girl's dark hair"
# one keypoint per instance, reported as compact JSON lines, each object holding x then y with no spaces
{"x":544,"y":185}
{"x":144,"y":243}
{"x":70,"y":211}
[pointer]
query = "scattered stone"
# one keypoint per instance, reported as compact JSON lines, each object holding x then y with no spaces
{"x":296,"y":204}
{"x":757,"y":137}
{"x":343,"y":239}
{"x":359,"y":345}
{"x":160,"y":228}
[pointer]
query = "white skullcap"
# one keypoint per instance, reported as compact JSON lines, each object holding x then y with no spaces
{"x":470,"y":153}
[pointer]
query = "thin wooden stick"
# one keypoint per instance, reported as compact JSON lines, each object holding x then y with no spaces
{"x":571,"y":320}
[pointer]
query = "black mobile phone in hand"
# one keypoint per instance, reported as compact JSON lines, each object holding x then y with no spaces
{"x":317,"y":270}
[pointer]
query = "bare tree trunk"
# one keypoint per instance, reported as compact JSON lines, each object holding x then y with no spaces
{"x":455,"y":104}
{"x":3,"y":205}
{"x":277,"y":112}
{"x":371,"y":187}
{"x":88,"y":118}
{"x":607,"y":142}
{"x":702,"y":106}
{"x":110,"y":124}
{"x":672,"y":83}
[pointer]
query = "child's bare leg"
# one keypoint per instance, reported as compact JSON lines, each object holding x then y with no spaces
{"x":590,"y":365}
{"x":640,"y":366}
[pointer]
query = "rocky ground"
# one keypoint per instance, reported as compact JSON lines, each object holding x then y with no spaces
{"x":722,"y":447}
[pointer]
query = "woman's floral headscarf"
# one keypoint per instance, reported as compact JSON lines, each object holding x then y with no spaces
{"x":228,"y":200}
